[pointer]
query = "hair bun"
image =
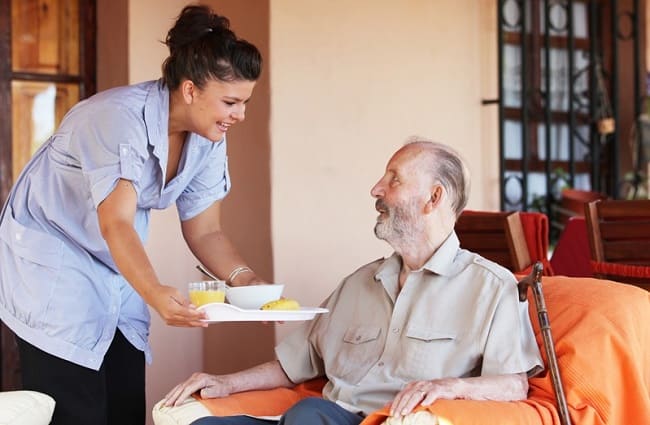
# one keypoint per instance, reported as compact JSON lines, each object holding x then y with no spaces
{"x":202,"y":46}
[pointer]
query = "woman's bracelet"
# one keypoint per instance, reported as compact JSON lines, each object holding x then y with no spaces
{"x":233,"y":274}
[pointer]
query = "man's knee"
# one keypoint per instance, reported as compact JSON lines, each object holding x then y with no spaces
{"x":229,"y":420}
{"x":318,"y":411}
{"x":305,"y":409}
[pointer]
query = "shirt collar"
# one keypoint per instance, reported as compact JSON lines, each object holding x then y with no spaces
{"x":156,"y":118}
{"x":441,"y":262}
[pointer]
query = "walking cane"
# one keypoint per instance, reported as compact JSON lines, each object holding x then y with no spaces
{"x":534,"y":280}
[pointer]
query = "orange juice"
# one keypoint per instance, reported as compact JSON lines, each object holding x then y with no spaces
{"x":200,"y":297}
{"x":208,"y":291}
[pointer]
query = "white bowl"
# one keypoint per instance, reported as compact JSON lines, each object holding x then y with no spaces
{"x":254,"y":296}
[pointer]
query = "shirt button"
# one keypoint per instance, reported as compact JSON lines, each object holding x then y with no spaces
{"x":19,"y":236}
{"x":395,"y":330}
{"x":358,"y":337}
{"x":125,"y":150}
{"x":380,"y":364}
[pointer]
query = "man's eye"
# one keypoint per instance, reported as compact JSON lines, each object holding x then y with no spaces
{"x":228,"y":103}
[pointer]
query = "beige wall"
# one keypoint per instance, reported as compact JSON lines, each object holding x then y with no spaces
{"x":350,"y":81}
{"x":344,"y":84}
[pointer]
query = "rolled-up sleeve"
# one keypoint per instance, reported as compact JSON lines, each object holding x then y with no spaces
{"x":511,"y":345}
{"x":109,"y":148}
{"x":298,"y":357}
{"x":211,"y":183}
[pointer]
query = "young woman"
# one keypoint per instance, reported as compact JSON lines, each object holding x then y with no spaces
{"x":75,"y":279}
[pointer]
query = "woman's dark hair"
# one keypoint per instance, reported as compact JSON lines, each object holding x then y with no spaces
{"x":202,"y":46}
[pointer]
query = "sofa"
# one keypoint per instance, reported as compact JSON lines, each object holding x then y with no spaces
{"x":601,"y":331}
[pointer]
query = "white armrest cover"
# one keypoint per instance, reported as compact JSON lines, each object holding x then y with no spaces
{"x":418,"y":418}
{"x":25,"y":408}
{"x":183,"y":414}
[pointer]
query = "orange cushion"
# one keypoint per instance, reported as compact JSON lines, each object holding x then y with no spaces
{"x":263,"y":403}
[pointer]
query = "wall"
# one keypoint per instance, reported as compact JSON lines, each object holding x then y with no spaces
{"x":112,"y":43}
{"x":350,"y":82}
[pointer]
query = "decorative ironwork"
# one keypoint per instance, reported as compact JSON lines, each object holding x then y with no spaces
{"x":560,"y":117}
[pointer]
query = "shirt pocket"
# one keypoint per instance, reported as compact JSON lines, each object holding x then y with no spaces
{"x":359,"y":351}
{"x":33,"y":268}
{"x":427,"y":352}
{"x":32,"y":245}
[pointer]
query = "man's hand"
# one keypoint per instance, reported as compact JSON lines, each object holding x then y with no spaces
{"x":210,"y":386}
{"x":509,"y":387}
{"x":420,"y":393}
{"x":262,"y":377}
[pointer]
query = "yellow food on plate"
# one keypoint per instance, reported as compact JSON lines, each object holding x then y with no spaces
{"x":281,"y":304}
{"x":201,"y":297}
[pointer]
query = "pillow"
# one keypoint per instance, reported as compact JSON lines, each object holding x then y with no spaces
{"x":25,"y":408}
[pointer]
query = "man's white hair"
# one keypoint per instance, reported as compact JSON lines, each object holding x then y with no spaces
{"x":444,"y":164}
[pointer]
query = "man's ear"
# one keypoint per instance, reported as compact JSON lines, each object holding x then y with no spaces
{"x":188,"y":90}
{"x":434,"y":200}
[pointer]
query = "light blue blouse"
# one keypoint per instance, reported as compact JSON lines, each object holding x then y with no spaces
{"x":59,"y":287}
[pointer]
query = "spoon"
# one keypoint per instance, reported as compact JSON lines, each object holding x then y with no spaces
{"x":209,"y":274}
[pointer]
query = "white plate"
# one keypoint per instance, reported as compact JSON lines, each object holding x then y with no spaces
{"x":223,"y":312}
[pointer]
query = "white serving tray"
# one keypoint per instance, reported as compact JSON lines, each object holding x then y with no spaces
{"x":223,"y":312}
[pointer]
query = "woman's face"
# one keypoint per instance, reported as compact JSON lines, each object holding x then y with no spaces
{"x":216,"y":107}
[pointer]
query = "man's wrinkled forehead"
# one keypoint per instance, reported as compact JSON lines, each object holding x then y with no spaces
{"x":406,"y":159}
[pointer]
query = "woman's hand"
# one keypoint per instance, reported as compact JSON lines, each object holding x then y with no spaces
{"x":210,"y":386}
{"x":173,"y":308}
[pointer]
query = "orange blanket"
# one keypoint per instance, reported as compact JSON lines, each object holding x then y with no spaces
{"x":602,"y":337}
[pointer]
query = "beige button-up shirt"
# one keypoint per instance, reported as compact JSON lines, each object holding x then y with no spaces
{"x":458,"y":316}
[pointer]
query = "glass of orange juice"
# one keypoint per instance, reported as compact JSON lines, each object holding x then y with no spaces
{"x":207,"y":291}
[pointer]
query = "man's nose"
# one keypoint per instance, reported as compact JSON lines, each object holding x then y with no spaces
{"x":377,"y":190}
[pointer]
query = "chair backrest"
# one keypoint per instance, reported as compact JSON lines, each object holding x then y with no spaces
{"x":497,"y":236}
{"x":619,"y":239}
{"x":572,"y":203}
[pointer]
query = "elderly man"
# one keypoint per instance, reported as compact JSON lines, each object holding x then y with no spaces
{"x":431,"y":321}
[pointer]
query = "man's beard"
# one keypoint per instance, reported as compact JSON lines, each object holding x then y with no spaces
{"x":400,"y":224}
